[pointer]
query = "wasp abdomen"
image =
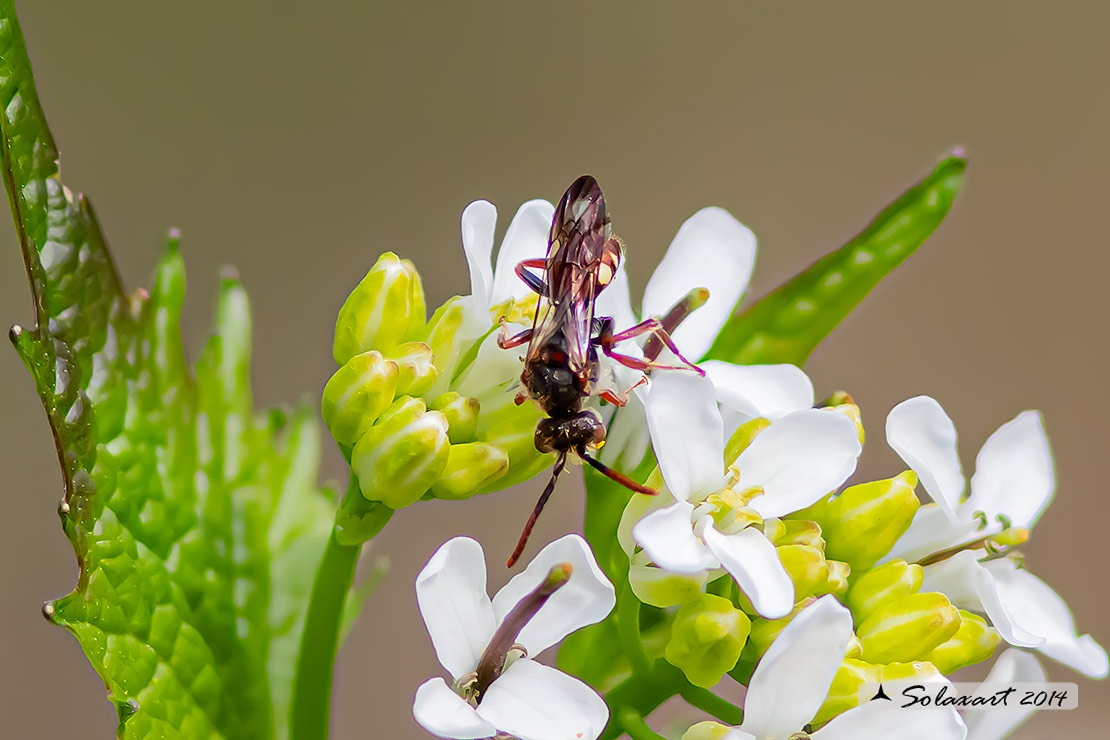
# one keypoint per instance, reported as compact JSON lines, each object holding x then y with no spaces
{"x":584,"y":429}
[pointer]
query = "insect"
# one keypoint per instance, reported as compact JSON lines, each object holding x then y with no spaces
{"x":562,"y":367}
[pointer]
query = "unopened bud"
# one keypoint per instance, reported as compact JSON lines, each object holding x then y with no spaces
{"x":973,"y":643}
{"x":708,"y":730}
{"x":661,"y":588}
{"x":844,"y":691}
{"x":743,"y":437}
{"x":837,"y":582}
{"x":887,"y":582}
{"x":416,"y":372}
{"x":357,"y":394}
{"x":385,"y":309}
{"x":863,"y":523}
{"x":461,"y":413}
{"x":513,"y":429}
{"x":852,"y":412}
{"x":470,"y":467}
{"x":799,"y":532}
{"x":909,"y":628}
{"x":764,"y":631}
{"x":443,"y":335}
{"x":399,"y":458}
{"x":806,"y":568}
{"x":707,"y":636}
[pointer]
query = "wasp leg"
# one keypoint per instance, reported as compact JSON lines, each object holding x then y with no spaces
{"x":534,"y":282}
{"x":652,"y":327}
{"x":614,"y":475}
{"x":560,"y":462}
{"x":504,"y":341}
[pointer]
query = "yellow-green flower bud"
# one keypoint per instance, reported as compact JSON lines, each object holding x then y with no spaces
{"x":894,"y":673}
{"x":442,"y":334}
{"x":863,"y":523}
{"x":973,"y":643}
{"x":402,"y":455}
{"x":909,"y":628}
{"x":385,"y":309}
{"x":743,"y":437}
{"x":470,"y":467}
{"x":461,"y":413}
{"x":844,"y":691}
{"x":764,"y":631}
{"x":707,"y":636}
{"x":415,"y":371}
{"x":837,"y":582}
{"x":887,"y":582}
{"x":661,"y":588}
{"x":814,"y":512}
{"x":708,"y":730}
{"x":852,"y":412}
{"x":806,"y":568}
{"x":513,"y":429}
{"x":357,"y":394}
{"x":798,"y":532}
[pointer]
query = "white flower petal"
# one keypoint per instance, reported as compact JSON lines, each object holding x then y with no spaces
{"x":627,"y":439}
{"x":451,"y":592}
{"x":931,"y":531}
{"x":478,"y":222}
{"x":615,"y":302}
{"x":638,"y":507}
{"x":923,"y":435}
{"x":769,"y":391}
{"x":1038,"y":610}
{"x":1013,"y":473}
{"x":525,"y":239}
{"x":711,"y":250}
{"x":534,"y":702}
{"x":687,"y":432}
{"x":753,"y":561}
{"x":970,"y":585}
{"x":587,"y":597}
{"x":1013,"y":666}
{"x":798,"y":459}
{"x":880,"y":720}
{"x":442,"y":712}
{"x":793,"y":676}
{"x":667,"y":536}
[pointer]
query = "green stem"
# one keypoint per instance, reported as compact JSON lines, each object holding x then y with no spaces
{"x":312,"y":686}
{"x":641,"y":694}
{"x":711,"y":704}
{"x":628,"y":628}
{"x":635,"y":726}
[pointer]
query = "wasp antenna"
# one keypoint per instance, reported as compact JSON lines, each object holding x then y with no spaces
{"x":560,"y":462}
{"x":611,"y":474}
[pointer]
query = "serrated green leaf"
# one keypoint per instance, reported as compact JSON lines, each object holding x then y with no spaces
{"x":786,"y":325}
{"x":196,"y":521}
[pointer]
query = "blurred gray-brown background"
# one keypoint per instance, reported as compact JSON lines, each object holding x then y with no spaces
{"x":298,"y":140}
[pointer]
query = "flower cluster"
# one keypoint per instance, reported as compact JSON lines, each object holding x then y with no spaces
{"x":758,"y":563}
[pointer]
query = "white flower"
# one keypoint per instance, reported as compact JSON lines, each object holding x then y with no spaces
{"x":1013,"y":479}
{"x":527,"y":700}
{"x":793,"y":677}
{"x":791,"y":464}
{"x":1013,"y":666}
{"x":1013,"y":484}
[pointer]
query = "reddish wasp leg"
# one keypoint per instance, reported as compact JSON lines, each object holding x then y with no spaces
{"x":613,"y":475}
{"x":650,"y":326}
{"x":534,"y":282}
{"x":560,"y":461}
{"x":507,"y":342}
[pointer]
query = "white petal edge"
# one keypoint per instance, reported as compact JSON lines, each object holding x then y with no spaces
{"x":667,"y":536}
{"x":1014,"y":474}
{"x":535,"y":702}
{"x":442,"y":712}
{"x":798,"y":459}
{"x":793,"y":677}
{"x":925,"y":437}
{"x":930,"y":531}
{"x":687,"y":432}
{"x":1013,"y":666}
{"x":711,"y":250}
{"x":586,"y":598}
{"x":478,"y":223}
{"x":526,"y":238}
{"x":768,"y":391}
{"x":754,"y":563}
{"x":879,"y":720}
{"x":451,"y":593}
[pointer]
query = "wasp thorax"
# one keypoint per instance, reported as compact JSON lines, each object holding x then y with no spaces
{"x":584,"y":429}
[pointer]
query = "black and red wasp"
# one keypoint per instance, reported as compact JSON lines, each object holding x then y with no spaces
{"x":562,"y":367}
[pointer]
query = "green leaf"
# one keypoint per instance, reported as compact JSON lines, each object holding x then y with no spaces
{"x":787,"y":324}
{"x":196,"y":521}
